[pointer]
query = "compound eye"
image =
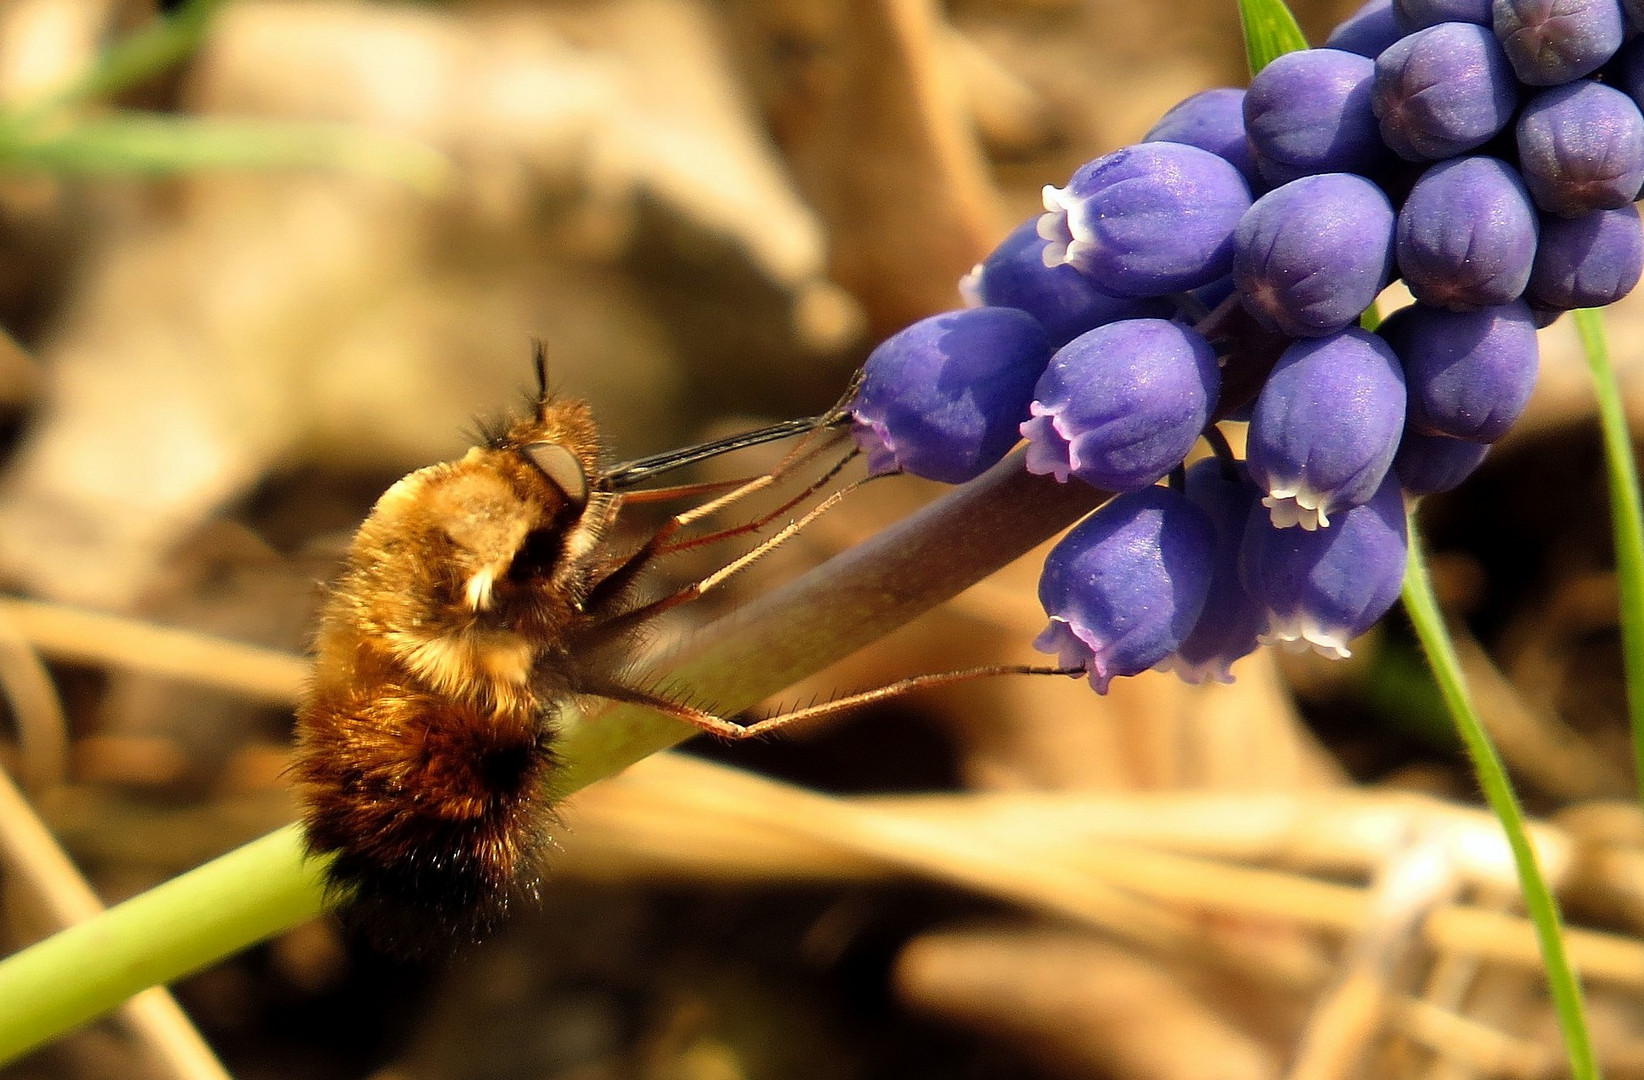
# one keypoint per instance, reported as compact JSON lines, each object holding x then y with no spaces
{"x":561,"y":467}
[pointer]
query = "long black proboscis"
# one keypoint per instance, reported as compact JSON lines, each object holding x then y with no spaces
{"x":642,"y":470}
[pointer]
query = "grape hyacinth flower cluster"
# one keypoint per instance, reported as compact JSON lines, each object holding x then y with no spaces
{"x":1488,"y":153}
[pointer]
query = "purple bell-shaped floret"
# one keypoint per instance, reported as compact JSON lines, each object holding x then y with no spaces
{"x":1212,"y":120}
{"x":1443,"y":90}
{"x":1309,"y":112}
{"x":1066,"y":302}
{"x":1466,"y":234}
{"x":1308,"y":257}
{"x":1325,"y":427}
{"x":1429,"y":464}
{"x":1126,"y":585}
{"x":1148,"y":219}
{"x":1469,"y":373}
{"x":1231,"y":623}
{"x":1587,"y":261}
{"x":1120,"y":406}
{"x":945,"y":397}
{"x":1325,"y":588}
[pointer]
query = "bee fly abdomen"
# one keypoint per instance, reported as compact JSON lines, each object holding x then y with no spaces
{"x":433,"y":807}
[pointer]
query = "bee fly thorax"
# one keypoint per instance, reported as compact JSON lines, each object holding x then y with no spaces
{"x":488,"y":668}
{"x":490,"y":507}
{"x":451,"y":569}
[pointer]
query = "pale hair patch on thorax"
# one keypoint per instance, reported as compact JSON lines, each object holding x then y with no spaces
{"x":477,"y":593}
{"x":486,"y":519}
{"x":403,"y":493}
{"x":488,"y":666}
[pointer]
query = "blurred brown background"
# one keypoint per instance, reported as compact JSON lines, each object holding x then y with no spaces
{"x":709,"y":212}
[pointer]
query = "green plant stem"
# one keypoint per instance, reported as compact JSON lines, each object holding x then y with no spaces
{"x":268,"y":885}
{"x":177,"y":927}
{"x":1422,"y":607}
{"x":1270,"y":31}
{"x":1626,"y":520}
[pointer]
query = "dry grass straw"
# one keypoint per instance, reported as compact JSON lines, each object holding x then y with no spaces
{"x":91,"y":637}
{"x":674,"y":816}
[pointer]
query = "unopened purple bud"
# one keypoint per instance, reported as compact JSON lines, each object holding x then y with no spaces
{"x":1120,"y":406}
{"x":1125,"y":586}
{"x":1367,"y":31}
{"x":1148,"y":219}
{"x":1414,"y":15}
{"x":1469,"y":373}
{"x":1429,"y":464}
{"x":1065,"y":302}
{"x":1230,"y":625}
{"x":1588,"y":261}
{"x":1323,"y":589}
{"x":1325,"y":427}
{"x":1212,"y":120}
{"x":1313,"y":254}
{"x":1309,"y":112}
{"x":943,"y":398}
{"x":1581,"y":148}
{"x":1467,"y":234}
{"x":1551,"y":42}
{"x":1443,"y":91}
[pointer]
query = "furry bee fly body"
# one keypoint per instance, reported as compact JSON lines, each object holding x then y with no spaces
{"x":424,"y":740}
{"x":476,"y":598}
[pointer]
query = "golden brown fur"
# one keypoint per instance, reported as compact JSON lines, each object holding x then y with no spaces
{"x":424,"y":739}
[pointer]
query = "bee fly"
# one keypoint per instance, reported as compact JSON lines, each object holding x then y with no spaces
{"x":476,"y":598}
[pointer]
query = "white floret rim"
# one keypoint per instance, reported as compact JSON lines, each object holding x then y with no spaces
{"x":1215,"y":669}
{"x":1049,"y":450}
{"x":1297,"y":633}
{"x":1075,"y":646}
{"x":1293,"y":503}
{"x":873,"y":438}
{"x":1067,"y":239}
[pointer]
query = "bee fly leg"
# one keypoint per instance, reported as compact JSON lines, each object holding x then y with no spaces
{"x":616,"y":582}
{"x":755,"y":524}
{"x":796,"y":458}
{"x":715,"y":724}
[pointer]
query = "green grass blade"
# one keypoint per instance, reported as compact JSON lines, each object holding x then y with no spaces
{"x":1626,"y":519}
{"x":1422,"y":607}
{"x":1270,"y":31}
{"x":140,"y":143}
